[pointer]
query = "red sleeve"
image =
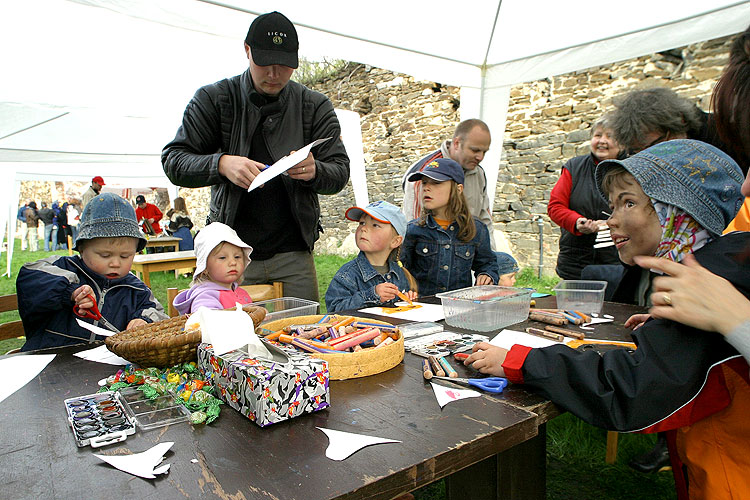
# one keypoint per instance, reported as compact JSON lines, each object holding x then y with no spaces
{"x":156,"y":213}
{"x":139,"y":214}
{"x":559,"y":201}
{"x":513,"y":364}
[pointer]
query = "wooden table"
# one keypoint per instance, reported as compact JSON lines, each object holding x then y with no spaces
{"x":172,"y":242}
{"x":492,"y":446}
{"x":165,"y":261}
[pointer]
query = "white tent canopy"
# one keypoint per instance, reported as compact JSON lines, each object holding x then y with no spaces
{"x":134,"y":64}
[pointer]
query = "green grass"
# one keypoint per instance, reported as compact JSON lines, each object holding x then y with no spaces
{"x":575,"y":450}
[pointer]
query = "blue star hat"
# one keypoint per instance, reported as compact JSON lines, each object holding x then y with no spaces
{"x":442,"y":169}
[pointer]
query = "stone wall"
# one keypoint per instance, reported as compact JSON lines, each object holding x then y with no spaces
{"x":548,"y":123}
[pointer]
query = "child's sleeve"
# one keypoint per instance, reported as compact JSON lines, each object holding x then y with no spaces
{"x":485,"y":261}
{"x":148,"y":308}
{"x":407,"y":248}
{"x":43,"y":287}
{"x":343,"y":293}
{"x":206,"y":298}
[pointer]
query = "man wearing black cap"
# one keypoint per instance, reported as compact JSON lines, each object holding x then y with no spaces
{"x":148,"y":216}
{"x":235,"y":128}
{"x":93,"y":190}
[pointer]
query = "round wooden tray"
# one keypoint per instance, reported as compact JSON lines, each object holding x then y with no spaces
{"x":350,"y":364}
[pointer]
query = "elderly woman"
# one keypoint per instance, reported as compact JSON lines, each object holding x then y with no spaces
{"x":576,"y":206}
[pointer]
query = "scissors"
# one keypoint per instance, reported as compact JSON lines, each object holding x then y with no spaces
{"x":489,"y":384}
{"x":93,"y":313}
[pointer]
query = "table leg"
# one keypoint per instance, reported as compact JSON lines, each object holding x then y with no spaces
{"x":146,"y":276}
{"x":518,"y":473}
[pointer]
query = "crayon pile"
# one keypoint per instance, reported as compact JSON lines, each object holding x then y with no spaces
{"x":335,"y":334}
{"x":555,"y":319}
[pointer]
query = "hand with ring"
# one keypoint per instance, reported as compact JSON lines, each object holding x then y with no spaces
{"x":304,"y":170}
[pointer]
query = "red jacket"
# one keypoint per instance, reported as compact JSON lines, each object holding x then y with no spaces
{"x":150,"y":212}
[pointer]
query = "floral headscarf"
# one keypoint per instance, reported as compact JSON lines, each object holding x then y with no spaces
{"x":680,"y":233}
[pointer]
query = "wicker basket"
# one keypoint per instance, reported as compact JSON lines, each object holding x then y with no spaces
{"x":351,"y":364}
{"x":164,"y":343}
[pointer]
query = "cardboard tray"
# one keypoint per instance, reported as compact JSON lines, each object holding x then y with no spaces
{"x":351,"y":364}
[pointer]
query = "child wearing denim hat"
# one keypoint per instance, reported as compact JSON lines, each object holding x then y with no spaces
{"x":672,"y":199}
{"x":48,"y":289}
{"x":507,"y":267}
{"x":221,"y":258}
{"x":446,"y":243}
{"x":376,"y":276}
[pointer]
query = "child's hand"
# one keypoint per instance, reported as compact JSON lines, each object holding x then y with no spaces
{"x":483,"y":279}
{"x":636,"y":321}
{"x":386,"y":291}
{"x":82,"y":297}
{"x":135,"y":322}
{"x":487,"y":358}
{"x":411,"y":295}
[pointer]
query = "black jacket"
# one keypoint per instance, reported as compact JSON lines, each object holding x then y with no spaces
{"x":221,"y":119}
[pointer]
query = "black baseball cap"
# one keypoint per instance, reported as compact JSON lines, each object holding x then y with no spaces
{"x":140,"y":199}
{"x":273,"y":40}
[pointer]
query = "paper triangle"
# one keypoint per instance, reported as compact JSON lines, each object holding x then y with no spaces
{"x":343,"y":444}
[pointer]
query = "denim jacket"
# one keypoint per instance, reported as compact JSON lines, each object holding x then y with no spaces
{"x":440,"y":262}
{"x":353,"y":286}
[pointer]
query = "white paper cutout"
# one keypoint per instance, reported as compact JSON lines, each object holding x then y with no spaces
{"x":283,"y":165}
{"x":144,"y":464}
{"x":95,"y":329}
{"x":508,"y":338}
{"x":17,"y":371}
{"x":427,"y":312}
{"x":342,"y":444}
{"x":446,"y":395}
{"x":102,"y":355}
{"x":229,"y":330}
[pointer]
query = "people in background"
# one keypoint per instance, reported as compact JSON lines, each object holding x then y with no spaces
{"x":63,"y":228}
{"x":180,"y":224}
{"x":23,"y":228}
{"x":687,"y":382}
{"x":74,"y":217}
{"x":234,"y":128}
{"x":376,"y":276}
{"x":470,"y":142}
{"x":576,"y":206}
{"x":47,"y":216}
{"x":148,"y":215}
{"x":446,"y":243}
{"x":32,"y":225}
{"x":221,"y":258}
{"x":94,"y":189}
{"x":50,"y":288}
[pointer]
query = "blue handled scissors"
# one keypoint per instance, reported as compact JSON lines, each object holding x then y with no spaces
{"x":93,"y":313}
{"x":489,"y":384}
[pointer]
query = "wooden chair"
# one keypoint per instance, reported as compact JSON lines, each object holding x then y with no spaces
{"x":264,"y":291}
{"x":11,"y":329}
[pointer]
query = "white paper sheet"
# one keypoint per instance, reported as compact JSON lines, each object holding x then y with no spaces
{"x":144,"y":464}
{"x":229,"y":330}
{"x":427,"y":312}
{"x":96,"y":329}
{"x":342,"y":445}
{"x":17,"y":371}
{"x":507,"y":338}
{"x":102,"y":355}
{"x":445,"y":394}
{"x":283,"y":165}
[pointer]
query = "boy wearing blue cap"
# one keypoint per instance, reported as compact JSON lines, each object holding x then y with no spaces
{"x":49,"y":289}
{"x":507,"y":267}
{"x":376,"y":276}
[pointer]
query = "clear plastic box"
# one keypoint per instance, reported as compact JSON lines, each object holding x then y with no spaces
{"x":485,"y":308}
{"x":152,"y":413}
{"x":580,"y":295}
{"x":287,"y":307}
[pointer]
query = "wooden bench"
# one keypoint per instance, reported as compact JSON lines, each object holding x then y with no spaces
{"x":166,"y":261}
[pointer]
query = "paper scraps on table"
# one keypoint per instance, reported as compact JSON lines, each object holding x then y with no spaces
{"x":508,"y":338}
{"x":17,"y":371}
{"x":446,"y":395}
{"x":424,"y":312}
{"x":103,"y":332}
{"x":228,"y":330}
{"x":145,"y":464}
{"x":102,"y":355}
{"x":283,"y":165}
{"x":342,"y":444}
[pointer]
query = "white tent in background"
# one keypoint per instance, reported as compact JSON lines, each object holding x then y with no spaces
{"x":140,"y":61}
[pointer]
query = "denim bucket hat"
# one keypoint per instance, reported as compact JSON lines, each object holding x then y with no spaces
{"x":109,"y":216}
{"x":692,"y":175}
{"x":506,"y":263}
{"x":381,"y":211}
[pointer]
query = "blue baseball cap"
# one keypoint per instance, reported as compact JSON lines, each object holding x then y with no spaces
{"x":442,"y":169}
{"x":381,"y":211}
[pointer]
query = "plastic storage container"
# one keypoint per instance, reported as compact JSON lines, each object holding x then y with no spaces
{"x":580,"y":295}
{"x":287,"y":307}
{"x":486,"y":307}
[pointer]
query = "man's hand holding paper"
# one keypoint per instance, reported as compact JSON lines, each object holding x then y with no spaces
{"x":300,"y":163}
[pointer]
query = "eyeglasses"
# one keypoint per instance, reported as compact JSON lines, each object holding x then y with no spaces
{"x":661,"y":138}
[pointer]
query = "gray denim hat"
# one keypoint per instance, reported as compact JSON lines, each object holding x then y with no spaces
{"x":109,"y":216}
{"x":506,"y":263}
{"x":692,"y":175}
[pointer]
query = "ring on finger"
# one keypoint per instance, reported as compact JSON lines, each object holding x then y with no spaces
{"x":667,"y":299}
{"x":303,"y":169}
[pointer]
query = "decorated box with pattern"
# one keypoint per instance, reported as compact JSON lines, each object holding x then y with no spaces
{"x":265,"y":391}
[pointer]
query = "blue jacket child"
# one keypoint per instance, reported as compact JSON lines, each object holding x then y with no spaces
{"x":375,"y":277}
{"x":446,"y":243}
{"x":48,"y":289}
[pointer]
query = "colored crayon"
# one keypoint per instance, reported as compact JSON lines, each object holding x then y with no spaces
{"x":436,"y":368}
{"x":447,"y":366}
{"x":426,"y":371}
{"x":567,"y":333}
{"x":387,"y":341}
{"x":545,"y":334}
{"x":364,"y":324}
